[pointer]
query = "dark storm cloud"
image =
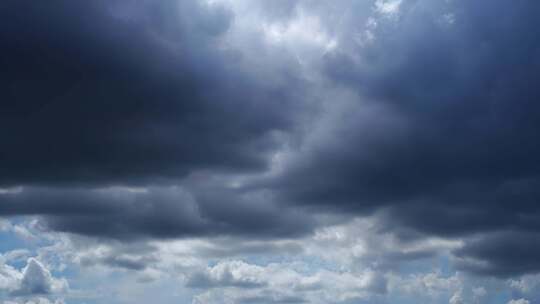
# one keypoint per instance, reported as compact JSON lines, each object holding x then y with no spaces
{"x":109,"y":213}
{"x":136,"y":92}
{"x":131,"y":91}
{"x":444,"y":135}
{"x":159,"y":212}
{"x":503,"y":254}
{"x":465,"y":102}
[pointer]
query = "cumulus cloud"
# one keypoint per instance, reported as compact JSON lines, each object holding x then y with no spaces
{"x":238,"y":281}
{"x":234,"y":274}
{"x":457,"y":298}
{"x":36,"y":279}
{"x":9,"y":278}
{"x":525,"y":284}
{"x":34,"y":284}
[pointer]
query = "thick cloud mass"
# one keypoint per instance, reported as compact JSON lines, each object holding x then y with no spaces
{"x":444,"y":136}
{"x":460,"y":107}
{"x":502,"y":254}
{"x":99,"y":92}
{"x":129,"y":214}
{"x":138,"y":121}
{"x":140,"y":93}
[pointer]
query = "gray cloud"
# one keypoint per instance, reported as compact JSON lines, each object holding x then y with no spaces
{"x":157,"y":212}
{"x":504,"y":254}
{"x":136,"y":91}
{"x":431,"y":125}
{"x":204,"y":281}
{"x":231,"y":247}
{"x":272,"y":299}
{"x":441,"y":137}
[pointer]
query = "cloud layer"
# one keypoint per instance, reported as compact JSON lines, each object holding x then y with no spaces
{"x":363,"y":139}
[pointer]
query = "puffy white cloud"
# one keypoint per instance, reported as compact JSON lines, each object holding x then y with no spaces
{"x":34,"y":279}
{"x":519,"y":301}
{"x":388,"y":7}
{"x":37,"y":279}
{"x":344,"y":262}
{"x":457,"y":298}
{"x":525,"y":284}
{"x":9,"y":277}
{"x":34,"y":284}
{"x":431,"y":286}
{"x":239,"y":281}
{"x":225,"y":274}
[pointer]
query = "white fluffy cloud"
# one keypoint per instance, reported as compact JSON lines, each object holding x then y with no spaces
{"x":37,"y":279}
{"x":237,"y":281}
{"x":457,"y":298}
{"x":33,"y":279}
{"x":9,"y":277}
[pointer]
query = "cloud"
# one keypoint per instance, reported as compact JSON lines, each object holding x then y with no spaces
{"x":437,"y":132}
{"x":502,"y":254}
{"x":154,"y":212}
{"x":519,"y":301}
{"x":37,"y":280}
{"x":272,"y":299}
{"x":9,"y":277}
{"x":242,"y":282}
{"x":134,"y":92}
{"x":37,"y":300}
{"x":210,"y":143}
{"x":233,"y":274}
{"x":337,"y":264}
{"x":388,"y":7}
{"x":34,"y":284}
{"x":141,"y":95}
{"x":457,"y":298}
{"x":525,"y":284}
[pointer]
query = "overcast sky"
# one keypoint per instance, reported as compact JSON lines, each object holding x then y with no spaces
{"x":269,"y":151}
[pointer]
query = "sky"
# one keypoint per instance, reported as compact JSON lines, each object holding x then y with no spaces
{"x":269,"y":152}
